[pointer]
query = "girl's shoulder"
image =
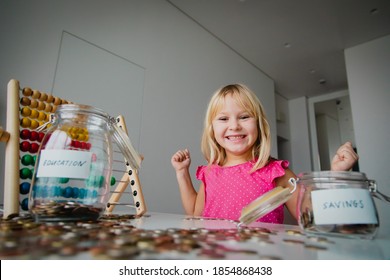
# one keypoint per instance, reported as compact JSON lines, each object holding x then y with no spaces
{"x":201,"y":170}
{"x":275,"y":168}
{"x":273,"y":162}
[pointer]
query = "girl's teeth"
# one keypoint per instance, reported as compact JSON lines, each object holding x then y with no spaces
{"x":235,"y":137}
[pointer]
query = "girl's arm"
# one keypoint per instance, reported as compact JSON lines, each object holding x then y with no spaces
{"x":199,"y":201}
{"x":283,"y":181}
{"x":187,"y":191}
{"x":192,"y":201}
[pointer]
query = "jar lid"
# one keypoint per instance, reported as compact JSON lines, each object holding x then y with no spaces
{"x":265,"y":203}
{"x":124,"y":144}
{"x":327,"y":176}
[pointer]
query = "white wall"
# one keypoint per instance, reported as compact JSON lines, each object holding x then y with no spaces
{"x":183,"y":65}
{"x":299,"y":131}
{"x":283,"y":128}
{"x":282,"y":116}
{"x":368,"y":71}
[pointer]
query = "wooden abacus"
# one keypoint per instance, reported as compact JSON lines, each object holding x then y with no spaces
{"x":27,"y":111}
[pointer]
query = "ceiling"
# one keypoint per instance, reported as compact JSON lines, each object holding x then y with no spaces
{"x":298,"y":43}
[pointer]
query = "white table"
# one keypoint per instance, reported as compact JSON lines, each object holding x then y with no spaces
{"x":137,"y":238}
{"x":285,"y":242}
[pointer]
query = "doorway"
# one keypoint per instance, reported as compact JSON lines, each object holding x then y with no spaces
{"x":331,"y":125}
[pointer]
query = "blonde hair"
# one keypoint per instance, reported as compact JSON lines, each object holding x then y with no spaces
{"x":261,"y":150}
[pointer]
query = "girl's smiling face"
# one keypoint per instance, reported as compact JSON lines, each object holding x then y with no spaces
{"x":236,"y":131}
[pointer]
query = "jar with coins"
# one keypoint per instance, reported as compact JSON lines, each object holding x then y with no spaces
{"x":338,"y":204}
{"x":71,"y":180}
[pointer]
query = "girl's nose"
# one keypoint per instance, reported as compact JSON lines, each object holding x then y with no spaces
{"x":234,"y":124}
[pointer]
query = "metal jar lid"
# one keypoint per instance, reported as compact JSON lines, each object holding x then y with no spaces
{"x":266,"y":203}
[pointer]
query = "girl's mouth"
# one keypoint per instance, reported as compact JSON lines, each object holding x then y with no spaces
{"x":235,"y":137}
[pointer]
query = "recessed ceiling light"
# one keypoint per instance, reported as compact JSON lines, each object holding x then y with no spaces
{"x":322,"y":81}
{"x":287,"y":45}
{"x":374,"y":11}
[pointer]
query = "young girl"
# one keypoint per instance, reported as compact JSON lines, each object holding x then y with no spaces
{"x":236,"y":143}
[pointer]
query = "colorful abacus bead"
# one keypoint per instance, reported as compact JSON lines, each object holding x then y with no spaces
{"x":24,"y":188}
{"x":63,"y":180}
{"x":43,"y":96}
{"x":85,"y":146}
{"x":41,"y":106}
{"x":35,"y":94}
{"x":81,"y":137}
{"x":75,"y":192}
{"x":24,"y":146}
{"x":41,"y":191}
{"x":82,"y":193}
{"x":81,"y":145}
{"x":57,"y":101}
{"x":95,"y":181}
{"x":25,"y":101}
{"x":68,"y":192}
{"x":76,"y":144}
{"x":48,"y":108}
{"x":57,"y":191}
{"x":33,"y":103}
{"x":34,"y":136}
{"x":50,"y":98}
{"x":25,"y":134}
{"x":78,"y":133}
{"x":25,"y":112}
{"x":27,"y":91}
{"x":28,"y":160}
{"x":41,"y":116}
{"x":34,"y":114}
{"x":34,"y":124}
{"x":24,"y":204}
{"x":34,"y":147}
{"x":40,"y":136}
{"x":25,"y":122}
{"x":25,"y":173}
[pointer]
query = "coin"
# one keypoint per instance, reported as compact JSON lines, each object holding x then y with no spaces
{"x":315,"y":247}
{"x":293,"y":241}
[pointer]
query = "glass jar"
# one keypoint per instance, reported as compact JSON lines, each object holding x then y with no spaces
{"x":71,"y":180}
{"x":338,"y":204}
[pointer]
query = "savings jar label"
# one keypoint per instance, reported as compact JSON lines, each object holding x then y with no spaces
{"x":343,"y":206}
{"x":64,"y":163}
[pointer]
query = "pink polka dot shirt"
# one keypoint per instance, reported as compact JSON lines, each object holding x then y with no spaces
{"x":229,"y":189}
